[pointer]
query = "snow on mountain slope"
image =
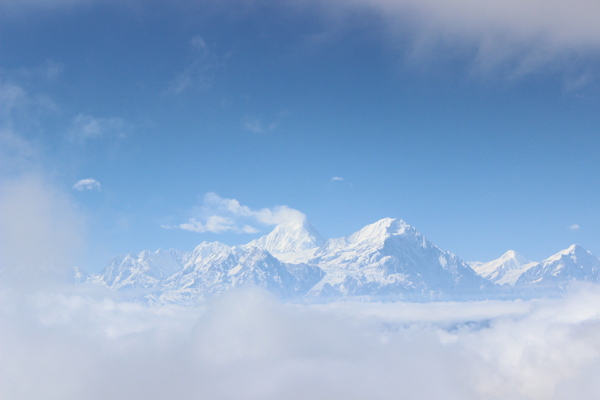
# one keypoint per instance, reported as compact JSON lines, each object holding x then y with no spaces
{"x":392,"y":260}
{"x":290,"y":242}
{"x":504,"y":270}
{"x":572,"y":264}
{"x":388,"y":260}
{"x":237,"y":267}
{"x":142,"y":271}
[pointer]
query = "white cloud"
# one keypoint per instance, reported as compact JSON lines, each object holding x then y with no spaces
{"x":245,"y":345}
{"x":337,"y":179}
{"x":574,"y":227}
{"x":20,"y":110}
{"x":216,"y":224}
{"x":219,"y":215}
{"x":84,"y":127}
{"x":87,"y":184}
{"x":514,"y":37}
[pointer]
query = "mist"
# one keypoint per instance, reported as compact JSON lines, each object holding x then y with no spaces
{"x":79,"y":344}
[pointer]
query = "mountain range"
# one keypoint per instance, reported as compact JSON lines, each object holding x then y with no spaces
{"x":388,"y":260}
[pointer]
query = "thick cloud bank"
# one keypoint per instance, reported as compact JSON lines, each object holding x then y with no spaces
{"x":245,"y":345}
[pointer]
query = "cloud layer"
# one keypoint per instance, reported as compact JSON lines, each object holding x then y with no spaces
{"x":84,"y":127}
{"x":245,"y":345}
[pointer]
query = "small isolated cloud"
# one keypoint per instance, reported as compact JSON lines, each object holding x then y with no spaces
{"x":87,"y":184}
{"x":574,"y":227}
{"x":84,"y":127}
{"x":337,"y":179}
{"x":220,"y":215}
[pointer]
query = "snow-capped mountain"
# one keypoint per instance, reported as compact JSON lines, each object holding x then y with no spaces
{"x":387,"y":260}
{"x":504,"y":270}
{"x":392,"y":260}
{"x":291,"y":241}
{"x":230,"y":267}
{"x":557,"y":271}
{"x":145,"y":270}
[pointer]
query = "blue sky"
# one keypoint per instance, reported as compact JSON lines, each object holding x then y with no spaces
{"x":476,"y":122}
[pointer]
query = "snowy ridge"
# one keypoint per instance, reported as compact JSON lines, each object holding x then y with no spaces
{"x":572,"y":264}
{"x":235,"y":267}
{"x":388,"y":260}
{"x":504,"y":270}
{"x":392,"y":260}
{"x":141,"y":271}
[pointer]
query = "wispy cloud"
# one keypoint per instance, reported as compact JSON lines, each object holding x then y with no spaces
{"x":84,"y":127}
{"x":574,"y":227}
{"x":216,"y":224}
{"x":219,"y":215}
{"x":256,"y":125}
{"x":16,"y":154}
{"x":21,"y":109}
{"x":511,"y":37}
{"x":87,"y":184}
{"x":21,"y":113}
{"x":198,"y":72}
{"x":337,"y":179}
{"x":48,"y":71}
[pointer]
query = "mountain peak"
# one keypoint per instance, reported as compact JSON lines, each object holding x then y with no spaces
{"x":506,"y":269}
{"x":572,"y":263}
{"x":513,"y":255}
{"x":571,"y":251}
{"x":290,"y":237}
{"x":381,"y":229}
